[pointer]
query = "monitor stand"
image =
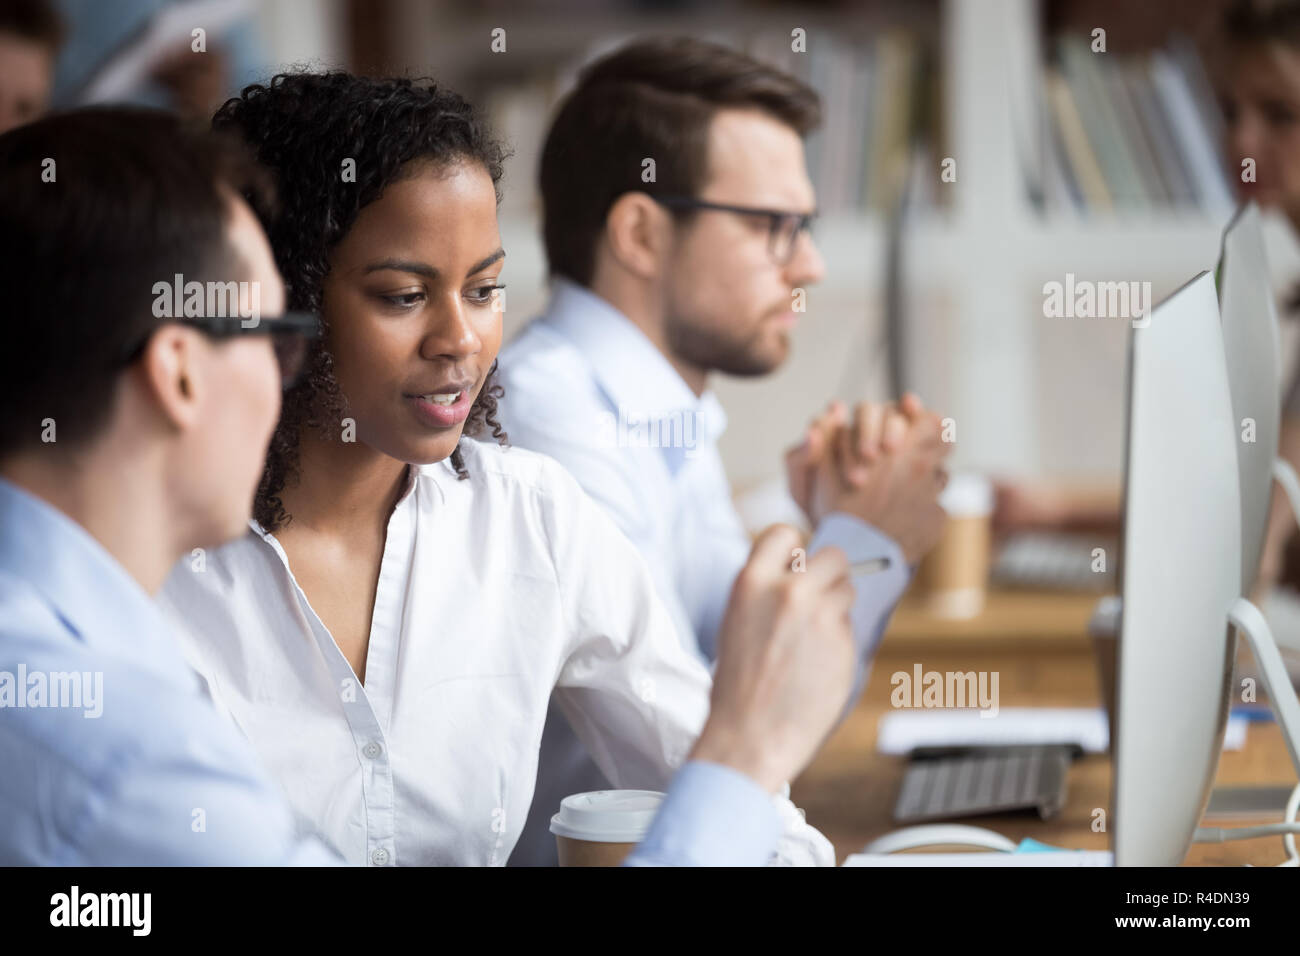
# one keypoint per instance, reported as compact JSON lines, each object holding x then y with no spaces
{"x":1272,"y":671}
{"x":1266,"y":800}
{"x":1247,"y":803}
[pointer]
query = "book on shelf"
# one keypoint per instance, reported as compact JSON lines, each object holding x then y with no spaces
{"x":875,"y":108}
{"x":1077,"y":164}
{"x":878,"y":111}
{"x":1132,"y":132}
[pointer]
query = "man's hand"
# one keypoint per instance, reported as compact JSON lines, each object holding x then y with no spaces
{"x":785,"y":661}
{"x":196,"y":81}
{"x":875,"y":430}
{"x":802,"y":460}
{"x":897,"y":491}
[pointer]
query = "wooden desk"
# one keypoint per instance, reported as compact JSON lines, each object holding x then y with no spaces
{"x":1039,"y":646}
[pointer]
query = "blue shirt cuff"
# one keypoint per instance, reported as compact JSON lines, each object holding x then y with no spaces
{"x":876,"y":592}
{"x":859,"y":540}
{"x":711,"y":816}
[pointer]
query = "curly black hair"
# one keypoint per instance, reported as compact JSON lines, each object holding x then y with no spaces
{"x":301,"y":127}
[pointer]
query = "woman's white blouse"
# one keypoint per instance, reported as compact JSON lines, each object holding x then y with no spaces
{"x":493,"y":591}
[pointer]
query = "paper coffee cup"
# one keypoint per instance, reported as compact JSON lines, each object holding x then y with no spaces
{"x":954,"y":576}
{"x":602,"y":827}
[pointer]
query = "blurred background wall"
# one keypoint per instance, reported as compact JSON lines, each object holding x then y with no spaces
{"x":1106,"y":165}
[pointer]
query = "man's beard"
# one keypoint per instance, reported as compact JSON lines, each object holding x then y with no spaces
{"x":715,"y":351}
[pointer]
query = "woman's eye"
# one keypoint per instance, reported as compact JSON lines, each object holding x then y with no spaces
{"x":484,"y":294}
{"x":404,"y":300}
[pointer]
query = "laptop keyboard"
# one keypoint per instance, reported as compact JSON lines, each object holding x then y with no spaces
{"x":1055,"y":561}
{"x":988,"y":780}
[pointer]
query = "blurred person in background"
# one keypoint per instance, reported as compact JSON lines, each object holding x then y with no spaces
{"x":31,"y":33}
{"x":661,"y":282}
{"x":1259,"y":74}
{"x":1256,"y":62}
{"x":144,"y":52}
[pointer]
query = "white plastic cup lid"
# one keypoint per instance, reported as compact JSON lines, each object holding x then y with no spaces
{"x":967,"y":495}
{"x":607,"y":816}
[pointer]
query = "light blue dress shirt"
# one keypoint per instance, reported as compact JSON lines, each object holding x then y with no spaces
{"x":112,"y":754}
{"x":584,"y":385}
{"x":711,"y":816}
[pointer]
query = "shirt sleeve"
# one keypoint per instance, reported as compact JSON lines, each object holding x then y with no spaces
{"x":635,"y":698}
{"x":876,"y":592}
{"x":608,"y":480}
{"x":187,"y":812}
{"x":711,"y":816}
{"x":156,"y":778}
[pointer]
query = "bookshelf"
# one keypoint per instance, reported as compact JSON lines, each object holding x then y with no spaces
{"x":1031,"y":395}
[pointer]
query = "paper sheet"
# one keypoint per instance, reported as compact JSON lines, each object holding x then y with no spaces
{"x":902,"y":732}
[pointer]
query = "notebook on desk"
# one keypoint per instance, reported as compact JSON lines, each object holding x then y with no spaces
{"x":1085,"y":727}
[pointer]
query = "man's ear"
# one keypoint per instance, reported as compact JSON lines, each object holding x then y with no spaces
{"x":169,"y":371}
{"x":638,"y":231}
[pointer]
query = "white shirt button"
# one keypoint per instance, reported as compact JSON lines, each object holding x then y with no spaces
{"x":379,"y":857}
{"x":372,"y":749}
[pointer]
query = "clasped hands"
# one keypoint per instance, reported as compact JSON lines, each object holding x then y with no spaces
{"x":786,"y":654}
{"x":882,"y":463}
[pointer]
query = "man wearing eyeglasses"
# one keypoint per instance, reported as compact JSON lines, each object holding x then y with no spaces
{"x":677,"y":208}
{"x":126,"y":441}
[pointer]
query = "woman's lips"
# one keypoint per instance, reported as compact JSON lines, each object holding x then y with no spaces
{"x":438,"y":415}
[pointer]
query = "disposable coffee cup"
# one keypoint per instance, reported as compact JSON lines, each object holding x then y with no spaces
{"x":953,"y":578}
{"x":602,"y":827}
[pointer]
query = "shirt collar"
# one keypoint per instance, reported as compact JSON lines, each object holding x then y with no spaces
{"x":412,"y":473}
{"x":87,"y":587}
{"x":631,"y":371}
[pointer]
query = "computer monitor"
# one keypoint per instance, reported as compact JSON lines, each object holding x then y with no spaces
{"x":1252,"y":344}
{"x":1180,"y":572}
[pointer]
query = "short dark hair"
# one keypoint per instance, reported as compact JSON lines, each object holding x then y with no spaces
{"x":96,"y":206}
{"x":652,"y":99}
{"x":302,"y":126}
{"x":34,"y":20}
{"x":1262,"y":21}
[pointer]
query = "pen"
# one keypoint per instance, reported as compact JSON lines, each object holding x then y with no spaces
{"x":871,"y":566}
